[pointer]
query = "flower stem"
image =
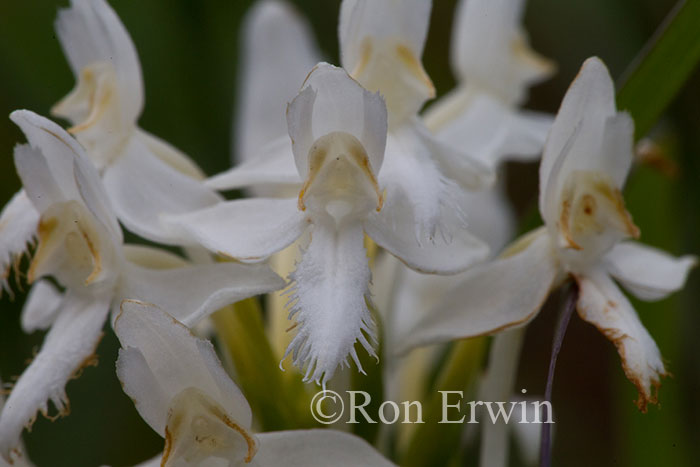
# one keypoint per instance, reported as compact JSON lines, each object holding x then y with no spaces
{"x":564,"y":318}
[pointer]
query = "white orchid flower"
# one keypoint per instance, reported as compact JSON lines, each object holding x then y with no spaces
{"x":139,"y":170}
{"x":338,"y":132}
{"x":80,"y":245}
{"x":586,"y":160}
{"x":494,"y":66}
{"x":381,"y":44}
{"x":182,"y":391}
{"x":18,"y":456}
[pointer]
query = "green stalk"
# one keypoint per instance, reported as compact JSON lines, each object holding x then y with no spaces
{"x":662,"y":67}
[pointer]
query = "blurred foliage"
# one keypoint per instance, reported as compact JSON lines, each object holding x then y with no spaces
{"x":189,"y":50}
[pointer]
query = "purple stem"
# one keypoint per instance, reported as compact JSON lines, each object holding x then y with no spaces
{"x":564,"y":318}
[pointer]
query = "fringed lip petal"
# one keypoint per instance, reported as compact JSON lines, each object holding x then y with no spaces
{"x":602,"y":304}
{"x":492,"y":297}
{"x":328,"y":300}
{"x":18,"y":223}
{"x":647,"y":272}
{"x":319,"y":446}
{"x":247,"y":230}
{"x":67,"y":348}
{"x":278,"y":52}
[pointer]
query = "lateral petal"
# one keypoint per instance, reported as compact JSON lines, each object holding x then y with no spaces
{"x":195,"y":291}
{"x":310,"y":448}
{"x":67,"y":348}
{"x":602,"y":304}
{"x":272,"y":164}
{"x":144,"y":189}
{"x":485,"y":128}
{"x":647,"y":272}
{"x":431,"y":256}
{"x":248,"y":230}
{"x":492,"y":297}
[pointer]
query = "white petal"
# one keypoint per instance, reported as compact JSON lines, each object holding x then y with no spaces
{"x":405,"y":20}
{"x":278,"y":53}
{"x":90,"y":32}
{"x":328,"y":300}
{"x":396,"y":234}
{"x":416,"y":187}
{"x":248,"y":230}
{"x":56,"y":169}
{"x":190,"y":293}
{"x":587,"y":134}
{"x":143,"y":189}
{"x":18,"y":224}
{"x":649,"y":273}
{"x":381,"y":43}
{"x":602,"y":304}
{"x":469,"y":171}
{"x":272,"y":164}
{"x":57,"y":149}
{"x":169,"y":154}
{"x":161,"y":358}
{"x":498,"y":295}
{"x":332,"y":101}
{"x":42,"y":305}
{"x":491,"y":216}
{"x":66,"y":349}
{"x":310,"y":448}
{"x":489,"y":49}
{"x":485,"y":128}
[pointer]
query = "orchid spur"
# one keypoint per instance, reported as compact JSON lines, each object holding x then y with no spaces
{"x":586,"y":160}
{"x":81,"y":246}
{"x":190,"y":400}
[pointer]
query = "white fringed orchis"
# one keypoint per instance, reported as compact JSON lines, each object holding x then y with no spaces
{"x":181,"y":390}
{"x":80,"y":246}
{"x":494,"y":66}
{"x":381,"y":44}
{"x":338,"y":132}
{"x":586,"y":160}
{"x":139,"y":170}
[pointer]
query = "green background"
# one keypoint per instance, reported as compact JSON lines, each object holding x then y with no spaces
{"x":188,"y":51}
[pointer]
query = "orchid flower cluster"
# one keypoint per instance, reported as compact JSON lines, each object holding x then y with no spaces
{"x":364,"y":202}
